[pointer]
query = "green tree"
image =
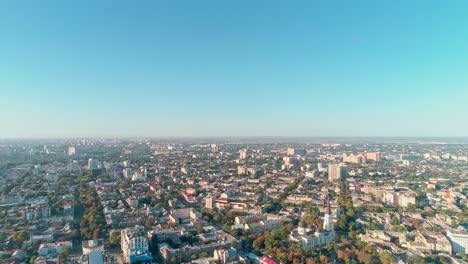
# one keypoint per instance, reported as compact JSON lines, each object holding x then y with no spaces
{"x":114,"y":240}
{"x":395,"y":221}
{"x":416,"y":260}
{"x":386,"y":257}
{"x":63,"y":256}
{"x":20,"y":236}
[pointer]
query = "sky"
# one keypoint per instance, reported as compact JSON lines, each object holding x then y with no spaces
{"x":233,"y":68}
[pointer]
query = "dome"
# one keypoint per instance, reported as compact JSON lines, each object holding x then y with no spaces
{"x":319,"y":231}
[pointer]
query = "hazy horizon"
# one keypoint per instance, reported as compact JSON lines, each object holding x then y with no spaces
{"x":233,"y":69}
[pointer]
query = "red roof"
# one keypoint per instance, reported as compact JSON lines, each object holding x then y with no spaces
{"x":153,"y":185}
{"x":186,"y":194}
{"x":268,"y":260}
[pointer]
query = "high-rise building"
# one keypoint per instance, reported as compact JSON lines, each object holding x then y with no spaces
{"x":336,"y":172}
{"x":71,"y":150}
{"x":133,"y":238}
{"x":243,"y":154}
{"x":73,"y":166}
{"x":290,"y":161}
{"x":459,"y":241}
{"x":93,"y":164}
{"x":354,"y":158}
{"x":214,"y":148}
{"x":294,"y":151}
{"x":209,"y":201}
{"x":375,"y":156}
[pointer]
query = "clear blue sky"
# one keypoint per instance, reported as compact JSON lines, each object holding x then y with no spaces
{"x":233,"y":68}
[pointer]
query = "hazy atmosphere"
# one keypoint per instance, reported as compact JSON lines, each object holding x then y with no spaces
{"x":238,"y":68}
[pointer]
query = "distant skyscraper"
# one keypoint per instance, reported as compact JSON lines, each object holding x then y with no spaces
{"x":375,"y":156}
{"x":73,"y":166}
{"x":214,"y":148}
{"x":243,"y":154}
{"x":209,"y":201}
{"x":290,"y":161}
{"x":71,"y":150}
{"x":354,"y":158}
{"x":92,"y":164}
{"x":336,"y":172}
{"x":294,"y":151}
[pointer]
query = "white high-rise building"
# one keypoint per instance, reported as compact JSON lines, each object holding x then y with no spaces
{"x":133,"y":238}
{"x":209,"y":201}
{"x":459,"y":241}
{"x":214,"y":148}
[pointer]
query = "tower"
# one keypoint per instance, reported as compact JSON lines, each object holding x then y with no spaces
{"x":209,"y":202}
{"x":71,"y":150}
{"x":328,"y":219}
{"x":301,"y":229}
{"x":243,"y":154}
{"x":336,"y":172}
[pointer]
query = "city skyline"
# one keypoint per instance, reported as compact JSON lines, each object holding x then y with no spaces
{"x":219,"y":69}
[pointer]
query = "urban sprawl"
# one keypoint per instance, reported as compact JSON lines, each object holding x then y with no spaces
{"x":207,"y":201}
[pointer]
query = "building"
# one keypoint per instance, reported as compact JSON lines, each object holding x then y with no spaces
{"x":183,"y":216}
{"x":71,"y":150}
{"x":11,"y":198}
{"x":459,"y":241}
{"x":264,"y":225}
{"x":355,"y":158}
{"x":53,"y":248}
{"x":308,"y":237}
{"x":132,"y":201}
{"x":398,"y":198}
{"x":375,"y":156}
{"x":290,"y":161}
{"x":93,"y":164}
{"x":73,"y":166}
{"x":96,"y":257}
{"x":140,"y":255}
{"x":243,"y":154}
{"x":241,"y":170}
{"x":133,"y":238}
{"x":37,"y":211}
{"x":214,"y":148}
{"x":431,"y":242}
{"x":336,"y":172}
{"x":89,"y":246}
{"x":209,"y":201}
{"x":294,"y":152}
{"x":268,"y":260}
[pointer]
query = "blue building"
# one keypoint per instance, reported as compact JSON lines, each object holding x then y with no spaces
{"x":140,"y":255}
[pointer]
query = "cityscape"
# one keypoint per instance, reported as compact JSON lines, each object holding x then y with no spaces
{"x":234,"y":201}
{"x":233,"y":132}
